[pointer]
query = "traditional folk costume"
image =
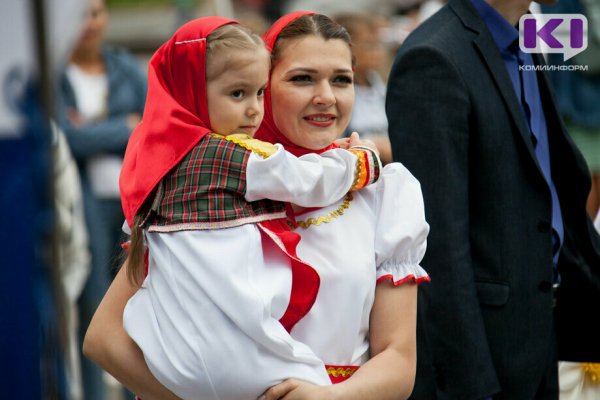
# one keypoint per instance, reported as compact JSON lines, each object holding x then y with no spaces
{"x":376,"y":234}
{"x":224,"y":285}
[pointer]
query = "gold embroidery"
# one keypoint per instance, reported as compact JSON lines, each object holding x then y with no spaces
{"x":592,"y":371}
{"x":360,"y":173}
{"x":264,"y":149}
{"x":330,"y":215}
{"x":343,"y":372}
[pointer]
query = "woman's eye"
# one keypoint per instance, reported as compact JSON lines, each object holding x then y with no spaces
{"x":301,"y":78}
{"x":237,"y":94}
{"x":343,"y":80}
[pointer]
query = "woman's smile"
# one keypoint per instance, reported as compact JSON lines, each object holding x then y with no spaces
{"x":321,"y":120}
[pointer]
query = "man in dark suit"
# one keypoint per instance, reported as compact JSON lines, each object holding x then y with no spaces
{"x":513,"y":256}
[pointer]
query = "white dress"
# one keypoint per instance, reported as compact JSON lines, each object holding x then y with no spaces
{"x":207,"y":315}
{"x":381,"y":235}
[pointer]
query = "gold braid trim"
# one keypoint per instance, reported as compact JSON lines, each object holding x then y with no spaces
{"x":360,"y":174}
{"x":330,"y":215}
{"x":592,"y":371}
{"x":263,"y":149}
{"x":343,"y":372}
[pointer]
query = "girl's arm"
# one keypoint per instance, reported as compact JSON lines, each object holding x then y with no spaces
{"x":312,"y":180}
{"x":390,"y":373}
{"x":108,"y":345}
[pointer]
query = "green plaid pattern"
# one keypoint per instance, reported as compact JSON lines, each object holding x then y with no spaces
{"x":206,"y":191}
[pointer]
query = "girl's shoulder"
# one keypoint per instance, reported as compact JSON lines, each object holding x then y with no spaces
{"x":264,"y":149}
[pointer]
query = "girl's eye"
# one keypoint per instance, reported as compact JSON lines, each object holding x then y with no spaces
{"x":261,"y":92}
{"x":237,"y":94}
{"x":343,"y":80}
{"x":301,"y":78}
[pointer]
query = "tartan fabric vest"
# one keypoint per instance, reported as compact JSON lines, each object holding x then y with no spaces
{"x":206,"y":191}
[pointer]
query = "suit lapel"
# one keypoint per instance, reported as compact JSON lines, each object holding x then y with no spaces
{"x":485,"y":45}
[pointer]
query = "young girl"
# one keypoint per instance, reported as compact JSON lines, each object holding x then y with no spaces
{"x":181,"y":184}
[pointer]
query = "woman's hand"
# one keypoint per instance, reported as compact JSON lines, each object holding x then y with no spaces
{"x":107,"y":344}
{"x":292,"y":389}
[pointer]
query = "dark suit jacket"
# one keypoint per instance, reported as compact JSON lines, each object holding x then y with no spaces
{"x":486,"y":319}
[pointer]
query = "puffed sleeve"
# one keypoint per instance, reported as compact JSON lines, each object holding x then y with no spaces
{"x":401,"y":232}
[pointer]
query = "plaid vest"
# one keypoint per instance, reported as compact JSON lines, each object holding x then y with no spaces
{"x":206,"y":190}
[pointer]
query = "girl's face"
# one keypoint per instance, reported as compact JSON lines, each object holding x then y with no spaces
{"x":312,"y":91}
{"x":235,"y":96}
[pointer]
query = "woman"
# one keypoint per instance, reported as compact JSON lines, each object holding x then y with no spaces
{"x":311,"y":97}
{"x":311,"y":53}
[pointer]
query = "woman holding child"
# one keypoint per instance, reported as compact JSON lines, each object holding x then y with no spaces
{"x":365,"y":247}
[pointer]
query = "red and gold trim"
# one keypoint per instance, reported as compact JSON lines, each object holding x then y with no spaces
{"x":339,"y":373}
{"x":368,"y":167}
{"x":592,"y":372}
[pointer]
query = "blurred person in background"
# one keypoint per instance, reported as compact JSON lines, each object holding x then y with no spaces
{"x":73,"y":255}
{"x":578,"y":92}
{"x":101,"y":98}
{"x":45,"y":249}
{"x":578,"y":96}
{"x":368,"y":114}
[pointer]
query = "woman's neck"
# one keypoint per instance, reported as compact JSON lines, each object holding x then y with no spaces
{"x":88,"y":60}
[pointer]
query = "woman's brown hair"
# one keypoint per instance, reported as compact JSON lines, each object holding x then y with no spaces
{"x":311,"y":24}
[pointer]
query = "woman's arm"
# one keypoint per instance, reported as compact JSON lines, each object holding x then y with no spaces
{"x":390,"y":373}
{"x":108,"y":345}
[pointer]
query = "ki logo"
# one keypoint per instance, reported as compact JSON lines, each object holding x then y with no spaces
{"x":553,"y":33}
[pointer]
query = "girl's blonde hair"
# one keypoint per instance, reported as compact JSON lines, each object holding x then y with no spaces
{"x":226,"y":41}
{"x":228,"y":37}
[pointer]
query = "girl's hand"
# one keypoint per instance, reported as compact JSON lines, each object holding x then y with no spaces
{"x":292,"y":389}
{"x":355,"y":140}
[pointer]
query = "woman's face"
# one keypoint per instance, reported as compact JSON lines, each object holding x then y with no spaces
{"x":312,"y":91}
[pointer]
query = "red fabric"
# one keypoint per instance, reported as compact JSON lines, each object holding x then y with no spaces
{"x":305,"y":280}
{"x":268,"y":131}
{"x":408,"y":278}
{"x":176,"y":112}
{"x":349,"y":370}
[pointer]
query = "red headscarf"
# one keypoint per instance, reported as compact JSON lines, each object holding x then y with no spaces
{"x":268,"y":131}
{"x":176,"y":112}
